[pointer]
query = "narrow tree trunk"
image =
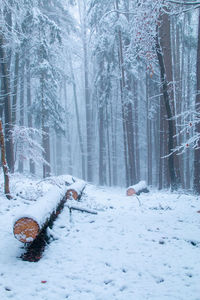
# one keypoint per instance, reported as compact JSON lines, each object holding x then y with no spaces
{"x":102,"y":162}
{"x":161,"y":144}
{"x":4,"y":163}
{"x":68,"y":137}
{"x":21,"y":111}
{"x":149,"y":135}
{"x":59,"y":165}
{"x":83,"y":16}
{"x":14,"y":100}
{"x":197,"y":105}
{"x":137,"y":150}
{"x":45,"y":135}
{"x":78,"y":120}
{"x":130,"y":137}
{"x":188,"y":103}
{"x":29,"y":103}
{"x":122,"y":86}
{"x":46,"y":154}
{"x":114,"y":138}
{"x":7,"y":105}
{"x":108,"y":146}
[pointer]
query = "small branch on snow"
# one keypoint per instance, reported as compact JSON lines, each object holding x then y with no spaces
{"x":184,"y":3}
{"x":89,"y":211}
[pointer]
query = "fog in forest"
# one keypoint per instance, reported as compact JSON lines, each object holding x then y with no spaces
{"x":104,"y":90}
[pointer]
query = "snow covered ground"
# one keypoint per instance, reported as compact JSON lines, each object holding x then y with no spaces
{"x":134,"y":249}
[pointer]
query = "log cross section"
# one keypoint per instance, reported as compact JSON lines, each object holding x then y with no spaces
{"x":26,"y":230}
{"x":75,"y":190}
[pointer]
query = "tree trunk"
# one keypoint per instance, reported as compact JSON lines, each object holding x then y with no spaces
{"x":78,"y":120}
{"x":83,"y":16}
{"x":108,"y":146}
{"x":161,"y":145}
{"x":137,"y":150}
{"x":173,"y":178}
{"x":29,"y":103}
{"x":197,"y":129}
{"x":46,"y":154}
{"x":45,"y":135}
{"x":122,"y":86}
{"x":21,"y":111}
{"x":149,"y":135}
{"x":7,"y":105}
{"x":4,"y":163}
{"x":14,"y":99}
{"x":68,"y":137}
{"x":114,"y":139}
{"x":102,"y":145}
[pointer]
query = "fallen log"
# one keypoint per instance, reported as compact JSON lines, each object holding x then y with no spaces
{"x":140,"y":187}
{"x":40,"y":215}
{"x":75,"y":190}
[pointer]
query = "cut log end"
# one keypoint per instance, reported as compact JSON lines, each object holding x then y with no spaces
{"x":137,"y":189}
{"x":26,"y":230}
{"x":72,"y":194}
{"x":130,"y":192}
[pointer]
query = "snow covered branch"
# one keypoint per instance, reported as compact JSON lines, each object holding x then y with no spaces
{"x":27,"y":145}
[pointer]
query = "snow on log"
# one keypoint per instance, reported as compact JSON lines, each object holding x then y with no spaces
{"x":38,"y":216}
{"x":140,"y":187}
{"x":75,"y":190}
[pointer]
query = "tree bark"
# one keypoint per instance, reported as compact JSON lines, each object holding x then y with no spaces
{"x":122,"y":86}
{"x":165,"y":46}
{"x":15,"y":89}
{"x":68,"y":137}
{"x":78,"y":120}
{"x":21,"y":113}
{"x":45,"y":136}
{"x":4,"y":163}
{"x":197,"y":129}
{"x":7,"y":105}
{"x":173,"y":178}
{"x":83,"y":16}
{"x":29,"y":103}
{"x":102,"y":146}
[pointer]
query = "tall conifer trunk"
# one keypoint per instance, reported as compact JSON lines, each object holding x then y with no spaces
{"x":7,"y":104}
{"x":197,"y":129}
{"x":171,"y":131}
{"x":29,"y":103}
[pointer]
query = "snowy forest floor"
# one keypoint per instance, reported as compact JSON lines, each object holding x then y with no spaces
{"x":131,"y":250}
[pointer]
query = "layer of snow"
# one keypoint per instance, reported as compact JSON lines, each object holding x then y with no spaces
{"x":42,"y":209}
{"x":78,"y":186}
{"x":139,"y":186}
{"x":127,"y":251}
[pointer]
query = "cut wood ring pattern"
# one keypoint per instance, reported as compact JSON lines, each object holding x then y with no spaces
{"x":26,"y":230}
{"x":72,"y":194}
{"x":131,"y":192}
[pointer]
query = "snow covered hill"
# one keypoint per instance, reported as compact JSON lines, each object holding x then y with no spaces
{"x":134,"y":249}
